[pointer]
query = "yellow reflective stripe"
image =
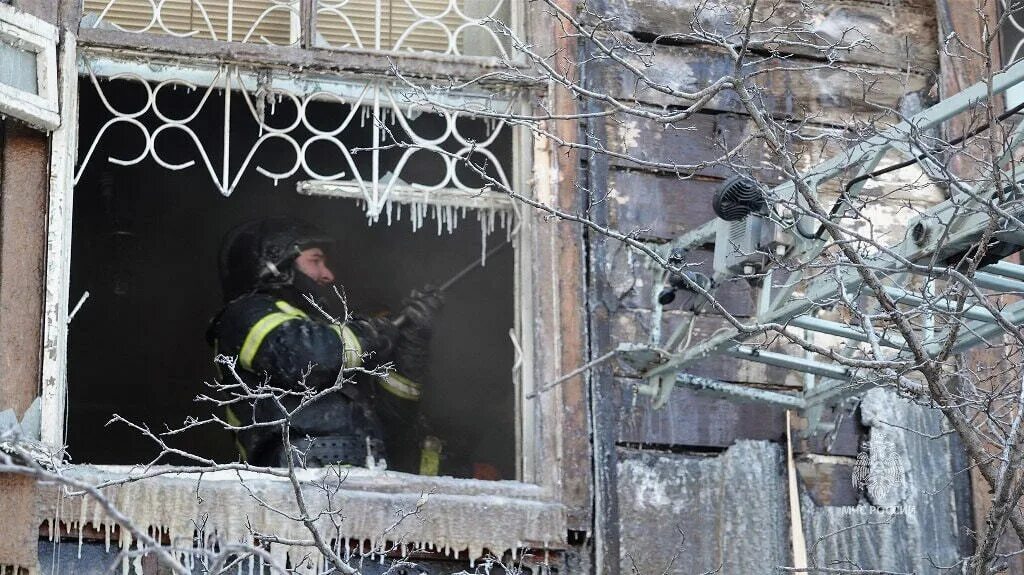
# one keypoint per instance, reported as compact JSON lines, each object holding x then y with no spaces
{"x":257,"y":334}
{"x":289,"y":309}
{"x":350,"y":342}
{"x":401,"y":386}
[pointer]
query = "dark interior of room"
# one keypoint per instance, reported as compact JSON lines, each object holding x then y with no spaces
{"x":145,"y":245}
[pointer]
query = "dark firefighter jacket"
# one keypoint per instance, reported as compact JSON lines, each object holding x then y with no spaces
{"x":276,"y":341}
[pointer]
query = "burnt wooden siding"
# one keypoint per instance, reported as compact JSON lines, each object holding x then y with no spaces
{"x":683,"y":453}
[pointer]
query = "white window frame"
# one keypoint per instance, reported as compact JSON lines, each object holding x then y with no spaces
{"x":23,"y":30}
{"x":58,"y":303}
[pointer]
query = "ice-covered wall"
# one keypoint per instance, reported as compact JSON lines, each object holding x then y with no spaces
{"x":689,"y":514}
{"x":910,"y":525}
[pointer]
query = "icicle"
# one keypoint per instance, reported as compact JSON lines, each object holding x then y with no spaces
{"x":122,"y":538}
{"x":55,"y":523}
{"x":483,"y":243}
{"x":437,"y":216}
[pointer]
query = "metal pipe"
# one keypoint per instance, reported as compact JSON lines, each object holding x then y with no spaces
{"x":998,"y":283}
{"x":837,"y":329}
{"x":788,"y":362}
{"x":1013,"y":314}
{"x":1006,"y":269}
{"x":734,"y":391}
{"x":943,"y":305}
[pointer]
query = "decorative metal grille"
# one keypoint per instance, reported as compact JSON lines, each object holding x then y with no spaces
{"x":459,"y":27}
{"x":1011,"y":34}
{"x":373,"y":140}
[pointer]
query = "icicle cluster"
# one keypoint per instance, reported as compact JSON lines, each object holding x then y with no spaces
{"x":447,"y":218}
{"x":170,"y":511}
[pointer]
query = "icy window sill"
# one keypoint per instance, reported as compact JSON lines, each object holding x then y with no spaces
{"x":458,"y":515}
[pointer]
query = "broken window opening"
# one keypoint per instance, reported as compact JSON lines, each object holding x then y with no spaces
{"x":146,"y":239}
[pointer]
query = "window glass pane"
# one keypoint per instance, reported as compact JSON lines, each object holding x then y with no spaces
{"x":19,"y":67}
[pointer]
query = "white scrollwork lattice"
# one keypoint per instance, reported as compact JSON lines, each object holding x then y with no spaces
{"x":459,"y":27}
{"x":384,"y":125}
{"x":1012,"y":30}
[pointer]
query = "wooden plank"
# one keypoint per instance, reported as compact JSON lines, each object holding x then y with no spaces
{"x":961,"y":65}
{"x":794,"y":88}
{"x":63,"y":152}
{"x":707,"y":138}
{"x":23,"y":193}
{"x":343,"y":61}
{"x":828,"y":482}
{"x":43,"y":9}
{"x":886,"y":35}
{"x":19,"y":531}
{"x":575,"y":452}
{"x":69,"y":15}
{"x":693,"y":420}
{"x":703,"y":138}
{"x":658,"y":207}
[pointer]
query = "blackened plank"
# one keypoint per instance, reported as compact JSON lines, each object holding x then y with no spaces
{"x":889,"y":34}
{"x":658,"y":207}
{"x":693,"y":420}
{"x":801,"y":89}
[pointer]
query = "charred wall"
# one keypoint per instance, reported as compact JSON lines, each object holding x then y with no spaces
{"x":688,"y":452}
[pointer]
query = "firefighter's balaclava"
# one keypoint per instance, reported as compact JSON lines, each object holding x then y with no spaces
{"x":260,"y":255}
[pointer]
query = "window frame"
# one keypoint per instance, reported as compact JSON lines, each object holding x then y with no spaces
{"x":537,"y":446}
{"x":40,"y":109}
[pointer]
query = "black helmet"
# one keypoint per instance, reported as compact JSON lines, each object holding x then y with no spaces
{"x":259,"y":254}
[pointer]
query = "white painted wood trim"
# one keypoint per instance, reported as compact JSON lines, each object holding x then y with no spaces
{"x":63,"y":153}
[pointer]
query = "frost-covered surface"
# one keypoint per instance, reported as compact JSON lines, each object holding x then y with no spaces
{"x":687,"y":514}
{"x":910,"y":527}
{"x":455,"y":515}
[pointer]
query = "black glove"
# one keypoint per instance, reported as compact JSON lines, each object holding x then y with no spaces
{"x":419,"y":310}
{"x":421,"y":306}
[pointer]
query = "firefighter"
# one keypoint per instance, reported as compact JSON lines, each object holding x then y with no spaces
{"x":275,"y":276}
